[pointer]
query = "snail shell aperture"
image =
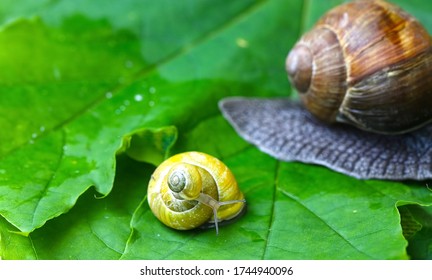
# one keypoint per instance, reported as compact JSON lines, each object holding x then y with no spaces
{"x":367,"y":64}
{"x":191,"y":189}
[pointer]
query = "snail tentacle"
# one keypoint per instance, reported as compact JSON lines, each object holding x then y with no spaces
{"x":215,"y":204}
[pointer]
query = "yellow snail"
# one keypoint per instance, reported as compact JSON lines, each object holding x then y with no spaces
{"x":191,"y":189}
{"x":365,"y":63}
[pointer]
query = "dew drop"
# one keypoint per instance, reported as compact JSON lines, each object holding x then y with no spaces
{"x":57,"y":73}
{"x":126,"y":102}
{"x":34,"y":135}
{"x":138,"y":97}
{"x":108,"y":95}
{"x":42,"y":128}
{"x":151,"y":103}
{"x":129,"y":64}
{"x":2,"y":171}
{"x":152,"y":90}
{"x":242,"y":43}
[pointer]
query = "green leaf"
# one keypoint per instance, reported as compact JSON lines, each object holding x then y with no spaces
{"x":88,"y":83}
{"x":54,"y":138}
{"x":67,"y":149}
{"x":420,"y":241}
{"x":345,"y":215}
{"x":151,"y":146}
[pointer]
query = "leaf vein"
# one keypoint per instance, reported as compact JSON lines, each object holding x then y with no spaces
{"x":272,"y":211}
{"x":43,"y":193}
{"x":297,"y":200}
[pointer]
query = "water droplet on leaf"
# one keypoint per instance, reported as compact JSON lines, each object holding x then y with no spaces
{"x":129,"y":64}
{"x":138,"y":97}
{"x":242,"y":43}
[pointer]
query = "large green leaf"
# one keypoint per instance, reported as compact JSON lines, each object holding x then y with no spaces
{"x":85,"y":82}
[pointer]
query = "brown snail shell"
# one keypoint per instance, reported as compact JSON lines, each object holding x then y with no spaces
{"x":367,"y":63}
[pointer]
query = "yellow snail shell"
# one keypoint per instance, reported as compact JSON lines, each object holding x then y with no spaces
{"x":191,"y":189}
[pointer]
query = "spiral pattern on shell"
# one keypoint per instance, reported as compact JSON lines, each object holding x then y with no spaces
{"x":186,"y":190}
{"x":366,"y":63}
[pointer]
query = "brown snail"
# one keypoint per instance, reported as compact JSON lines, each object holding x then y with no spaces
{"x":192,"y":189}
{"x":364,"y":63}
{"x":367,"y":63}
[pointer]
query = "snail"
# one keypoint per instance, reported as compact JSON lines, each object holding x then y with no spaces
{"x":194,"y":189}
{"x":367,"y":63}
{"x":364,"y":77}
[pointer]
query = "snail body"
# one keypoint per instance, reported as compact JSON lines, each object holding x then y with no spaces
{"x":366,"y":63}
{"x":191,"y":189}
